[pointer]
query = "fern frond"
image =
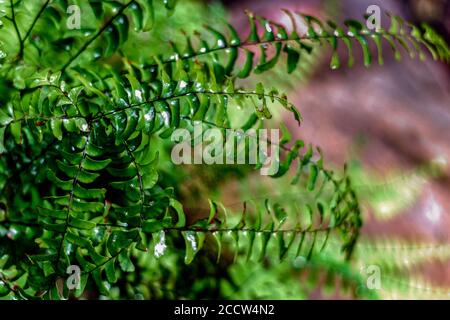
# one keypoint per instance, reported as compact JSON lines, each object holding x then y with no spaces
{"x":294,"y":45}
{"x":110,"y":21}
{"x":83,"y":146}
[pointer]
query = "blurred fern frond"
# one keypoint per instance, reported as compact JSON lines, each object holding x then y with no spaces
{"x":84,"y":146}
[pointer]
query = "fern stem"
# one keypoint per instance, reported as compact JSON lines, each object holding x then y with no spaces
{"x":184,"y":95}
{"x":16,"y":28}
{"x":159,"y":99}
{"x":72,"y":193}
{"x":266,"y":42}
{"x":212,"y":230}
{"x":44,"y":6}
{"x":141,"y":184}
{"x":92,"y":39}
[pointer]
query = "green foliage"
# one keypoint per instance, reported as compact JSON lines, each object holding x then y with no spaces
{"x":85,"y":124}
{"x":403,"y":261}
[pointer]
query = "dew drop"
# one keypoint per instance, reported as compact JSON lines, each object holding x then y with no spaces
{"x":221,"y":43}
{"x":138,"y":95}
{"x":192,"y":241}
{"x":160,"y":246}
{"x":183,"y":84}
{"x":166,"y":117}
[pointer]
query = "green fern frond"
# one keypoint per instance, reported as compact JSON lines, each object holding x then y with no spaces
{"x":80,"y":168}
{"x":401,"y":34}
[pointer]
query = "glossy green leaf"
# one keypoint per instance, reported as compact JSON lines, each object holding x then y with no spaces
{"x":293,"y":58}
{"x":120,"y":240}
{"x":194,"y":243}
{"x":125,"y":263}
{"x":81,"y":224}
